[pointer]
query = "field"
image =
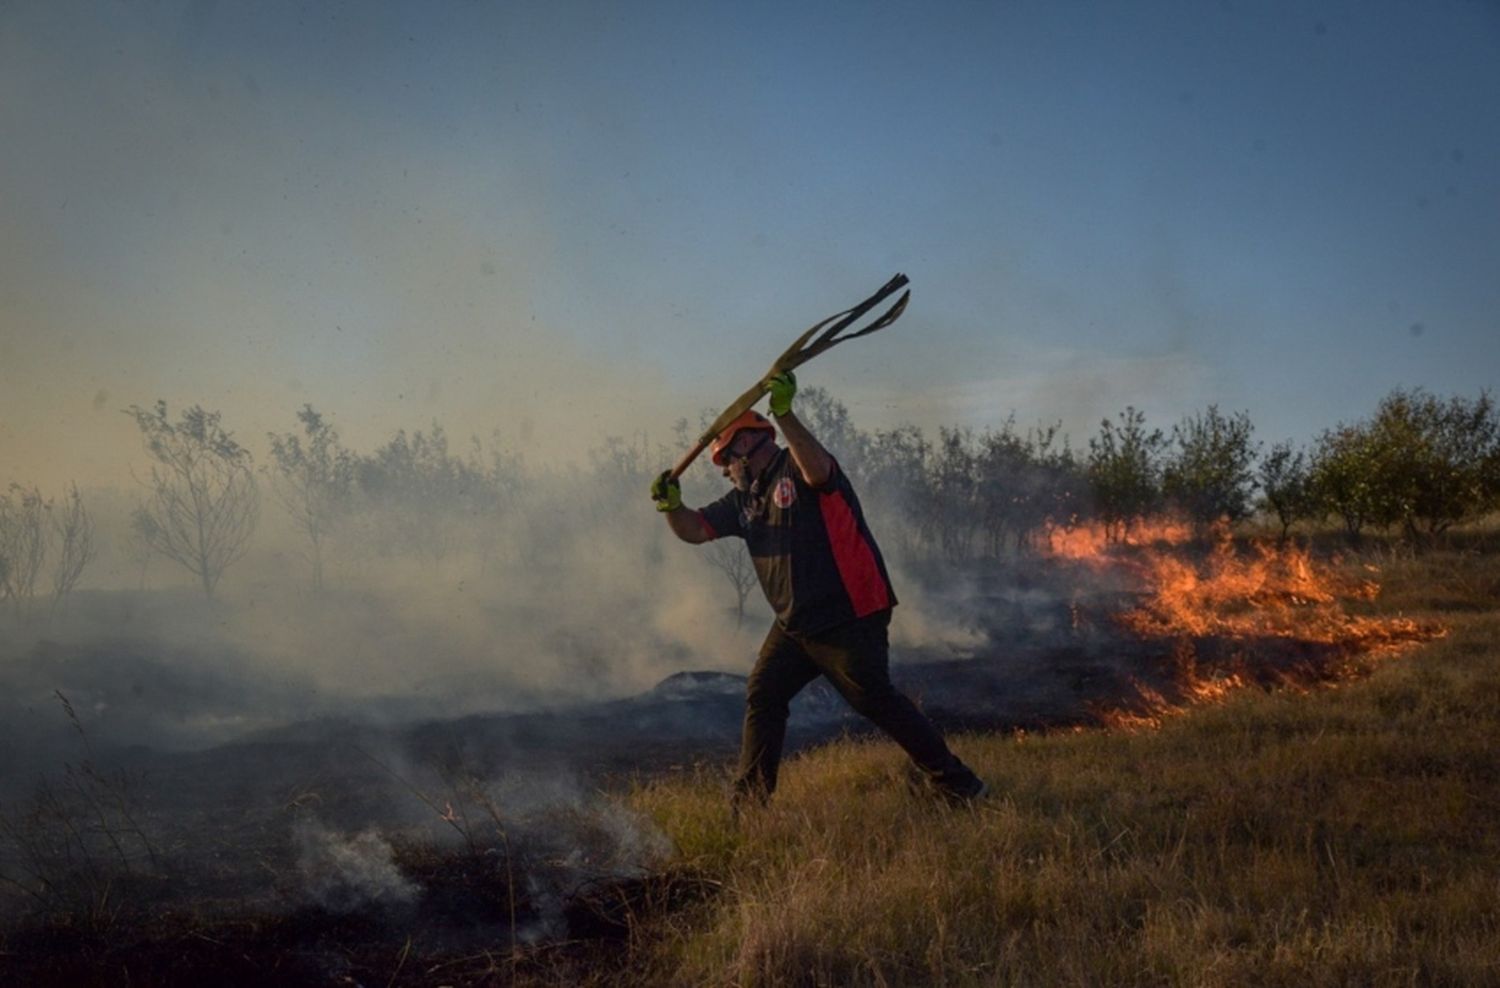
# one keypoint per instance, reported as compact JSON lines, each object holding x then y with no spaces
{"x":1345,"y":836}
{"x":1323,"y":821}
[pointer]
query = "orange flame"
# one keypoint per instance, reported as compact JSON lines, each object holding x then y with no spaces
{"x":1269,"y":593}
{"x":1091,"y":542}
{"x":1257,"y":598}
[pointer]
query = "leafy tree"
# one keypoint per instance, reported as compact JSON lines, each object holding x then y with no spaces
{"x":1057,"y":480}
{"x":1209,"y":475}
{"x":1344,"y":478}
{"x":202,"y":502}
{"x":893,"y":478}
{"x":1025,"y":482}
{"x":1001,"y":467}
{"x":897,"y":460}
{"x":1124,"y":471}
{"x":314,"y":481}
{"x":1286,"y":486}
{"x":950,"y":512}
{"x":1420,"y":462}
{"x":1437,"y":459}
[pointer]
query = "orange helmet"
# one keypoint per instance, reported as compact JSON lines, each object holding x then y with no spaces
{"x":751,"y":419}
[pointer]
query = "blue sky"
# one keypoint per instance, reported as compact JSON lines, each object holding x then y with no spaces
{"x":563,"y":220}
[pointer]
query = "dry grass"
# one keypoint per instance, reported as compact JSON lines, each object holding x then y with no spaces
{"x":1342,"y":837}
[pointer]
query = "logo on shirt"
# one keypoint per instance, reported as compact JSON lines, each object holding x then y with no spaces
{"x":785,"y":493}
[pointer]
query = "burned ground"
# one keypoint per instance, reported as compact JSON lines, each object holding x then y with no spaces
{"x":339,"y":849}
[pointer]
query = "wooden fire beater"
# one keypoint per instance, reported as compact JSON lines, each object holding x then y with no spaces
{"x":799,"y":353}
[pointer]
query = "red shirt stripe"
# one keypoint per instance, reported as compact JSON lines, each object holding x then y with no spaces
{"x":855,"y":559}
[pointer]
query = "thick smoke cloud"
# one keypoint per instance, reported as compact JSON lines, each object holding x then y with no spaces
{"x":565,"y":587}
{"x":570,"y":591}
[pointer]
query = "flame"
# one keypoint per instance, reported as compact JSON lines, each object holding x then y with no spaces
{"x":1091,"y":542}
{"x":1265,"y":593}
{"x":1274,"y":614}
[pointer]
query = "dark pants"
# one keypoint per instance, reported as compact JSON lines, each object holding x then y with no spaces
{"x":856,"y":659}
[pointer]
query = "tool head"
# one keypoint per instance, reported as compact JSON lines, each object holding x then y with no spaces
{"x":748,"y":419}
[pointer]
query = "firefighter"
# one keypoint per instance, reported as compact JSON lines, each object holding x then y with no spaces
{"x":824,"y":577}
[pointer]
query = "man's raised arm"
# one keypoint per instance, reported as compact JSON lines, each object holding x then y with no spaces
{"x":812,"y":460}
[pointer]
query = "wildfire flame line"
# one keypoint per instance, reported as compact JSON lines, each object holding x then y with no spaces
{"x":1284,"y":613}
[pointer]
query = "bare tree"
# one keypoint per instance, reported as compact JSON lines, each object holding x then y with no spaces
{"x":729,"y":557}
{"x":203,"y":502}
{"x":74,"y":530}
{"x":314,"y":480}
{"x":23,"y":545}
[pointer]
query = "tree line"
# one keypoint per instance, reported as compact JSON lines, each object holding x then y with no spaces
{"x":1418,"y":465}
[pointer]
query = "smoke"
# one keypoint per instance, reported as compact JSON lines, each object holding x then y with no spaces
{"x":936,"y":621}
{"x":467,"y":582}
{"x":563,"y":588}
{"x":566,"y":822}
{"x":529,"y":839}
{"x":566,"y":836}
{"x":572,"y":590}
{"x":343,"y":873}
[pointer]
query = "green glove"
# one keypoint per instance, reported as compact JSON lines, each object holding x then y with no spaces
{"x":782,"y":387}
{"x":666,"y":492}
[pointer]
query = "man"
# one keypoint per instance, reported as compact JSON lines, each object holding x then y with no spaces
{"x":824,"y":577}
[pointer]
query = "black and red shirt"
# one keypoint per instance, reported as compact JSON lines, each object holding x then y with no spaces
{"x":817,"y":561}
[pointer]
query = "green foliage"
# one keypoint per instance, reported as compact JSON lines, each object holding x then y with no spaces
{"x":1026,"y":482}
{"x":1286,"y":486}
{"x":989,"y":492}
{"x":1209,"y":474}
{"x":950,"y":507}
{"x":1438,"y":459}
{"x":1420,"y":462}
{"x":1124,"y":470}
{"x":1345,"y":478}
